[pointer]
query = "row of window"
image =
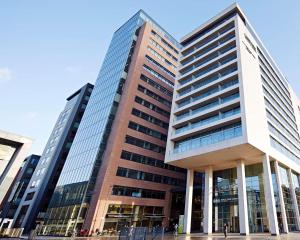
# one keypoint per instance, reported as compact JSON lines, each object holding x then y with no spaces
{"x":147,"y":131}
{"x":144,"y":144}
{"x":164,"y":41}
{"x":211,"y":91}
{"x":268,"y":84}
{"x":157,"y":75}
{"x":218,"y":116}
{"x":137,"y":192}
{"x":279,"y":108}
{"x":150,"y":177}
{"x":282,"y":138}
{"x":137,"y":210}
{"x":280,"y":125}
{"x":161,"y":58}
{"x":209,"y":79}
{"x":154,"y":96}
{"x":149,"y":118}
{"x":208,"y":47}
{"x":208,"y":68}
{"x":158,"y":46}
{"x":161,"y":67}
{"x":152,"y":106}
{"x":272,"y":71}
{"x":201,"y":61}
{"x":277,"y":145}
{"x":282,"y":119}
{"x":208,"y":138}
{"x":266,"y":79}
{"x":218,"y":101}
{"x":156,"y":85}
{"x":209,"y":29}
{"x":134,"y":157}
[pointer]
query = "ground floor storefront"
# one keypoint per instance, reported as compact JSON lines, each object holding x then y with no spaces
{"x":247,"y":199}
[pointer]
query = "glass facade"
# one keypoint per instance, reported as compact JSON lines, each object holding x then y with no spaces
{"x":287,"y":198}
{"x":257,"y":213}
{"x":84,"y":160}
{"x":276,"y":197}
{"x":121,"y":215}
{"x":225,"y":200}
{"x":295,"y":179}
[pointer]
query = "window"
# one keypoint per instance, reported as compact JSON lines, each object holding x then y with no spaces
{"x":151,"y":177}
{"x":152,"y":106}
{"x":149,"y":118}
{"x":137,"y":192}
{"x":29,"y":196}
{"x":165,"y":70}
{"x":154,"y":96}
{"x":149,"y":161}
{"x":144,"y":144}
{"x":156,"y":85}
{"x":157,"y":75}
{"x":147,"y":131}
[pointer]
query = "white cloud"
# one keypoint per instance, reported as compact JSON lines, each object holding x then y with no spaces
{"x":5,"y":74}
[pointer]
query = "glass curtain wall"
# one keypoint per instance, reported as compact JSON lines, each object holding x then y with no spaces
{"x":198,"y":202}
{"x":287,"y":197}
{"x":295,"y":178}
{"x":225,"y":200}
{"x":257,"y":213}
{"x":276,"y":196}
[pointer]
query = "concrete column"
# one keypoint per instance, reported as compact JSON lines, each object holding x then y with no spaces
{"x":242,"y":195}
{"x":280,"y":195}
{"x":294,"y":198}
{"x":269,"y":196}
{"x":188,"y":202}
{"x":208,"y":197}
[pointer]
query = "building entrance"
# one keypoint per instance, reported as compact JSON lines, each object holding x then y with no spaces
{"x":225,"y":201}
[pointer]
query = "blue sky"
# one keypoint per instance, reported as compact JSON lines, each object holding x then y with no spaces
{"x":49,"y":49}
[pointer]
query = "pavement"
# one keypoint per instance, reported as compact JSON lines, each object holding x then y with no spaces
{"x":290,"y":236}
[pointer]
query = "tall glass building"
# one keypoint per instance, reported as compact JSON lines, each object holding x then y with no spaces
{"x":114,"y":174}
{"x":235,"y":119}
{"x":35,"y":200}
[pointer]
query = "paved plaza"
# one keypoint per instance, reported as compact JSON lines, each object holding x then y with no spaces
{"x":290,"y":236}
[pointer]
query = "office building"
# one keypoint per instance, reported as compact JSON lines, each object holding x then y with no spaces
{"x":235,"y":119}
{"x":21,"y":182}
{"x":115,"y":175}
{"x":40,"y":188}
{"x":13,"y":149}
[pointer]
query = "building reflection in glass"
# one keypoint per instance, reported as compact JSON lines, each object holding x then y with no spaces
{"x":122,"y":215}
{"x":198,"y":202}
{"x":257,"y":214}
{"x":276,"y":197}
{"x":287,"y":198}
{"x":225,"y":200}
{"x":66,"y":209}
{"x":295,"y":179}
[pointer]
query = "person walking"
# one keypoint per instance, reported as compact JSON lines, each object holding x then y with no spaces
{"x":176,"y":230}
{"x":225,"y":230}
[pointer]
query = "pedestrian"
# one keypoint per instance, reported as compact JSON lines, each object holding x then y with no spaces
{"x":225,"y":230}
{"x":176,"y":230}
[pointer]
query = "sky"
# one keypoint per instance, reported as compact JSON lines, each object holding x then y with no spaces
{"x":49,"y":49}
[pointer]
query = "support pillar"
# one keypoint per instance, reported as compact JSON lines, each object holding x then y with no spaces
{"x":269,"y":196}
{"x":208,"y":197}
{"x":188,"y":202}
{"x":280,"y":195}
{"x":294,"y":198}
{"x":242,"y":197}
